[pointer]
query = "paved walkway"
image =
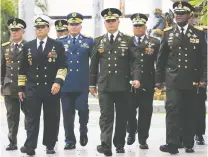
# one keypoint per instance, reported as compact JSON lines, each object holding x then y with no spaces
{"x":157,"y":137}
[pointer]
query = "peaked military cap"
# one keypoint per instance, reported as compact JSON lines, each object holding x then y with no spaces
{"x":41,"y":20}
{"x":182,"y":6}
{"x":139,"y":19}
{"x":61,"y":25}
{"x":16,"y":23}
{"x":74,"y":18}
{"x":158,"y":11}
{"x":111,"y":13}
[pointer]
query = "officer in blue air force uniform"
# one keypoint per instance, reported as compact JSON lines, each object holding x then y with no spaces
{"x":74,"y":95}
{"x":41,"y":75}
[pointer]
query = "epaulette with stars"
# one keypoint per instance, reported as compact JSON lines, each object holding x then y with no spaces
{"x":5,"y":44}
{"x":167,"y":29}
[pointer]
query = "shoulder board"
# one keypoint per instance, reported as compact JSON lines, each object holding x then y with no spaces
{"x":5,"y":44}
{"x":86,"y":36}
{"x":198,"y":27}
{"x":167,"y":29}
{"x":98,"y":36}
{"x":127,"y":35}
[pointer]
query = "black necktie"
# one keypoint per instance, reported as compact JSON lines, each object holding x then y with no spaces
{"x":111,"y":39}
{"x":15,"y":49}
{"x":182,"y":31}
{"x":74,"y":39}
{"x":139,"y":40}
{"x":40,"y":48}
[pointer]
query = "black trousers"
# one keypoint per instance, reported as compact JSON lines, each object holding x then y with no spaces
{"x":108,"y":101}
{"x":13,"y":106}
{"x":143,"y":100}
{"x":201,"y":112}
{"x":180,"y":116}
{"x":51,"y":120}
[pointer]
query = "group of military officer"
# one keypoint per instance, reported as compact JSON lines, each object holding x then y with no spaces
{"x":44,"y":71}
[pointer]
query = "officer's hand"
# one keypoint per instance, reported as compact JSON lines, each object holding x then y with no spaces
{"x":93,"y":90}
{"x":136,"y":84}
{"x":21,"y":96}
{"x":55,"y":88}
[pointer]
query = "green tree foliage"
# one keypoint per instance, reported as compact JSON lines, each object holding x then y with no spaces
{"x":203,"y":5}
{"x":9,"y":9}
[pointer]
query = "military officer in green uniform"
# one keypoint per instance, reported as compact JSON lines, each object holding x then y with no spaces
{"x":112,"y":52}
{"x":182,"y":65}
{"x":145,"y":50}
{"x":61,"y":27}
{"x":11,"y":56}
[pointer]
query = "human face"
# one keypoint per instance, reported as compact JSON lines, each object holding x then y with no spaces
{"x":139,"y":30}
{"x":42,"y":31}
{"x":16,"y":34}
{"x":74,"y":28}
{"x":182,"y":18}
{"x":111,"y":25}
{"x":62,"y":33}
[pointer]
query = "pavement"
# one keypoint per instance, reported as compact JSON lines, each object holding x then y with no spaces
{"x":156,"y":138}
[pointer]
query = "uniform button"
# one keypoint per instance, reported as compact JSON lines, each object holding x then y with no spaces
{"x":109,"y":58}
{"x":18,"y":61}
{"x":142,"y":54}
{"x":11,"y":61}
{"x":11,"y":81}
{"x":70,"y":69}
{"x":169,"y":68}
{"x":45,"y":68}
{"x":141,"y":60}
{"x":194,"y":47}
{"x":142,"y":65}
{"x":71,"y":53}
{"x":185,"y":66}
{"x":115,"y":71}
{"x":141,"y":71}
{"x":179,"y":54}
{"x":11,"y":74}
{"x":109,"y":71}
{"x":115,"y":65}
{"x":186,"y":60}
{"x":37,"y":68}
{"x":185,"y":54}
{"x":45,"y":75}
{"x":77,"y":69}
{"x":115,"y":58}
{"x":179,"y":59}
{"x":115,"y":52}
{"x":179,"y":47}
{"x":109,"y":65}
{"x":36,"y":75}
{"x":109,"y":52}
{"x":45,"y":83}
{"x":185,"y":48}
{"x":70,"y":61}
{"x":37,"y":83}
{"x":11,"y":68}
{"x":18,"y":68}
{"x":179,"y":66}
{"x":77,"y":61}
{"x":77,"y":52}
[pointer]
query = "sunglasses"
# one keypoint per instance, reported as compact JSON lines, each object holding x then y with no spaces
{"x":40,"y":27}
{"x":111,"y":20}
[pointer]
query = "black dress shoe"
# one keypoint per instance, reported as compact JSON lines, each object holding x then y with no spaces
{"x":131,"y":139}
{"x":69,"y":146}
{"x":28,"y":151}
{"x":83,"y":140}
{"x":11,"y":147}
{"x":189,"y":150}
{"x":169,"y":149}
{"x":200,"y":140}
{"x":143,"y":146}
{"x":120,"y":150}
{"x":50,"y":150}
{"x":104,"y":150}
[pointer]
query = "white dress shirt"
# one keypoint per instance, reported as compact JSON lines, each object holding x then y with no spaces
{"x":44,"y":42}
{"x":137,"y":38}
{"x":114,"y":35}
{"x":184,"y":28}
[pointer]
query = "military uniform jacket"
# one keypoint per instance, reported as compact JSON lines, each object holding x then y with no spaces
{"x":114,"y":61}
{"x":78,"y":54}
{"x":10,"y":63}
{"x":181,"y":63}
{"x":39,"y":70}
{"x":145,"y":55}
